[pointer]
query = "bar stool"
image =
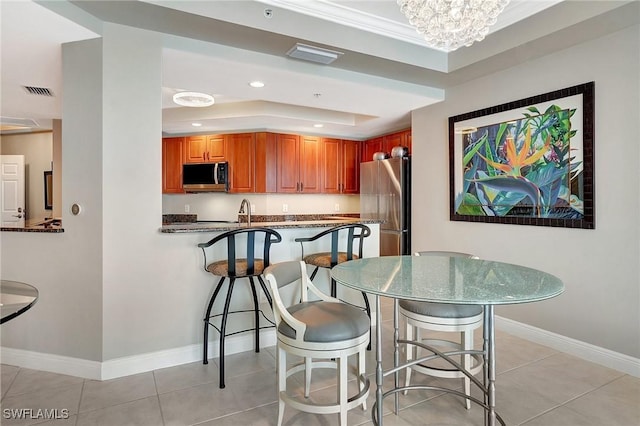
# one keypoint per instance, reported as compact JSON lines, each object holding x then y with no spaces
{"x":345,"y":239}
{"x":463,"y":319}
{"x":243,"y":242}
{"x":325,"y":332}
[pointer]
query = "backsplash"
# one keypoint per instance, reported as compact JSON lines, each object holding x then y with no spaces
{"x":190,"y":218}
{"x":221,"y":206}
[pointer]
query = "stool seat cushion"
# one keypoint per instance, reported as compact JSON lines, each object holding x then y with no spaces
{"x":442,"y":310}
{"x":327,"y":321}
{"x":323,"y":260}
{"x":221,"y":268}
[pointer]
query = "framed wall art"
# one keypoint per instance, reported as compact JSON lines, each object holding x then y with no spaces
{"x":527,"y":162}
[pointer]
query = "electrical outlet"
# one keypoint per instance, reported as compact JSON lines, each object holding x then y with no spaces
{"x":253,"y":208}
{"x":337,"y":207}
{"x":187,"y":208}
{"x":285,"y":208}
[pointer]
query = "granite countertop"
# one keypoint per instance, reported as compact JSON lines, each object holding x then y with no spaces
{"x":173,"y":223}
{"x":51,"y":225}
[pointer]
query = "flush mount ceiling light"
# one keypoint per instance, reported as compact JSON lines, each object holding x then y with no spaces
{"x":193,"y":99}
{"x":450,"y":24}
{"x":313,"y":54}
{"x":196,"y":124}
{"x":318,"y":125}
{"x":256,"y":84}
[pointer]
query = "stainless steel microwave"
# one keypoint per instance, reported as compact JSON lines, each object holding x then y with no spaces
{"x":205,"y":177}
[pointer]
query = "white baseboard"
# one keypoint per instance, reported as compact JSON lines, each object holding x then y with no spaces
{"x":52,"y":363}
{"x":135,"y":364}
{"x":586,"y":351}
{"x":129,"y":365}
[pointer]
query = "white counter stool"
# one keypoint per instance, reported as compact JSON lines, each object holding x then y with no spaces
{"x":326,"y":330}
{"x":346,"y":244}
{"x":463,"y":319}
{"x":241,"y":262}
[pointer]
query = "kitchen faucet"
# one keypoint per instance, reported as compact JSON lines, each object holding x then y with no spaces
{"x":245,"y":204}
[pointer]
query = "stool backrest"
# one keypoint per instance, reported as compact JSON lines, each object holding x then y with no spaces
{"x":283,"y":274}
{"x":355,"y":234}
{"x":237,"y":250}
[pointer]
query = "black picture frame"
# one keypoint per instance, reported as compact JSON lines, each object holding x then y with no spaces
{"x":48,"y":190}
{"x":526,"y":162}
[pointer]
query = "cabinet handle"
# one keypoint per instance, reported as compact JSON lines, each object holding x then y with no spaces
{"x":301,"y":186}
{"x":203,"y":157}
{"x":297,"y":186}
{"x":207,"y":156}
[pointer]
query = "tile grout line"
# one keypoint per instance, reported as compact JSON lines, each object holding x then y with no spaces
{"x":11,"y":384}
{"x":563,"y":404}
{"x":155,"y":385}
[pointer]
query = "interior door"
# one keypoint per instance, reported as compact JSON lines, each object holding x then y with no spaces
{"x":12,"y":190}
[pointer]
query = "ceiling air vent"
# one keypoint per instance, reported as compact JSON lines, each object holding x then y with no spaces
{"x":41,"y":91}
{"x":313,"y":54}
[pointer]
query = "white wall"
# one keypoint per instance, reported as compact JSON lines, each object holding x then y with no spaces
{"x":37,"y":149}
{"x":600,"y":268}
{"x":67,"y":267}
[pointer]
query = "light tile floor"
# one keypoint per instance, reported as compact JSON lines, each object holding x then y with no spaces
{"x":536,"y":386}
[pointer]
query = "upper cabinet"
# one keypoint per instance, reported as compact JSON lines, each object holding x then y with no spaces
{"x":205,"y":148}
{"x":241,"y":153}
{"x":369,"y":147}
{"x":386,"y":143}
{"x":340,"y":166}
{"x":402,"y":138}
{"x":350,"y":167}
{"x":298,"y":164}
{"x":172,"y":159}
{"x":265,"y":162}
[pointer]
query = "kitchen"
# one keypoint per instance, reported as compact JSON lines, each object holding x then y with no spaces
{"x":106,"y":332}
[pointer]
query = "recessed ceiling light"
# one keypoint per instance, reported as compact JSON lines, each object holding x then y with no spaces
{"x":193,"y":99}
{"x":256,"y":84}
{"x":318,"y":125}
{"x":196,"y":124}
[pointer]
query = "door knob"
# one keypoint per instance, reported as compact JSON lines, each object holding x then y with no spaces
{"x":19,"y":216}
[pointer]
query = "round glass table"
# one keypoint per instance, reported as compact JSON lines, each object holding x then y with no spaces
{"x":444,"y":279}
{"x":15,"y":299}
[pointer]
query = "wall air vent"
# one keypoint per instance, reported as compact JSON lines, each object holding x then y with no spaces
{"x":40,"y":91}
{"x":313,"y":54}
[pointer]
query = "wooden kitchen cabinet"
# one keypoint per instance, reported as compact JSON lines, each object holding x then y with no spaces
{"x":385,"y":144}
{"x":205,"y":149}
{"x":402,"y":138}
{"x":350,"y":167}
{"x":172,"y":159}
{"x":266,"y":161}
{"x":340,"y":166}
{"x":241,"y":154}
{"x":298,"y":164}
{"x":371,"y":146}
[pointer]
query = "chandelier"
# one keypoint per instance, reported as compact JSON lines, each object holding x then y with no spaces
{"x":449,"y":24}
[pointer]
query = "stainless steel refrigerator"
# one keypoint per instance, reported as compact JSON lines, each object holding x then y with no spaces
{"x":385,"y":194}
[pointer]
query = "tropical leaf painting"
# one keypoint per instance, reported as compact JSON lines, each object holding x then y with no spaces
{"x":525,"y":167}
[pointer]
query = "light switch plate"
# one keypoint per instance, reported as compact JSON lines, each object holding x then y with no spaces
{"x":285,"y":208}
